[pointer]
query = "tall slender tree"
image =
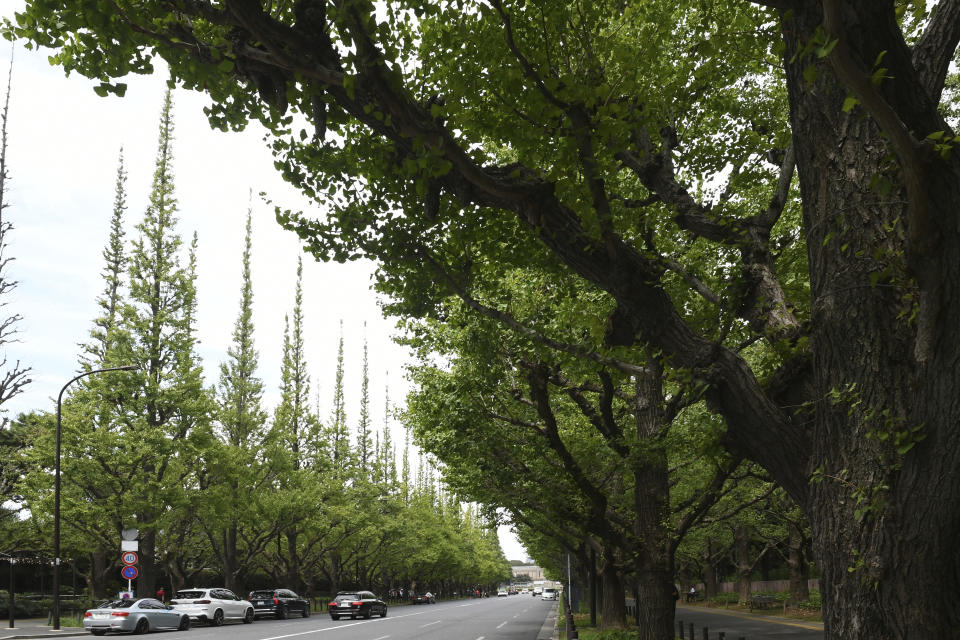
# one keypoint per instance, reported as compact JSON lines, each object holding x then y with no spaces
{"x":13,"y":377}
{"x":241,"y":427}
{"x":338,"y":432}
{"x":364,"y":444}
{"x":170,"y":406}
{"x":293,"y":434}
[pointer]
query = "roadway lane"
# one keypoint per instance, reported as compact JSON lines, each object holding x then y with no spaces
{"x":516,"y":617}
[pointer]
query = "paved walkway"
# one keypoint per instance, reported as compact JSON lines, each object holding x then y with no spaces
{"x":741,"y":624}
{"x":36,"y":628}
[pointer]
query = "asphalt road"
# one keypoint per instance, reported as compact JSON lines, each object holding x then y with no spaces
{"x":516,"y":617}
{"x":736,"y":626}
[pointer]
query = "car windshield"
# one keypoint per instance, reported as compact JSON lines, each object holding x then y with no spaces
{"x":347,"y":596}
{"x":261,"y":594}
{"x":117,"y":604}
{"x":190,"y":594}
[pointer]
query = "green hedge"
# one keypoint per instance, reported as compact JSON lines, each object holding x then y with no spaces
{"x":41,"y":607}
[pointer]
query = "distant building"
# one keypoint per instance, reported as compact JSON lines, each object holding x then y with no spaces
{"x":530,"y":571}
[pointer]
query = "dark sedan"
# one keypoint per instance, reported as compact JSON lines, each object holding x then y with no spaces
{"x":357,"y":604}
{"x":279,"y":603}
{"x":422,"y":598}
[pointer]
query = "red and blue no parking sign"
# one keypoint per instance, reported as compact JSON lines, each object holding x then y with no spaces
{"x":129,"y":572}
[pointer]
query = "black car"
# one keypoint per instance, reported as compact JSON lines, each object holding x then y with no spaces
{"x":357,"y":604}
{"x":279,"y":603}
{"x":422,"y":598}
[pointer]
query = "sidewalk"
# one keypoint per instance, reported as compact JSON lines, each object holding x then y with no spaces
{"x":36,"y":628}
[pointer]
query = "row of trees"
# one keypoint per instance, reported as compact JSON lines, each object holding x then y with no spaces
{"x":219,"y":488}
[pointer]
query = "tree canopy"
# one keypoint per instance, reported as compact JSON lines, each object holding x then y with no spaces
{"x":648,"y":150}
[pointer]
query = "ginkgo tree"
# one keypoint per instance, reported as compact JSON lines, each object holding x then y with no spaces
{"x":597,"y":135}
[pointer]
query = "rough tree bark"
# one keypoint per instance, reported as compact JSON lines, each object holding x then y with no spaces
{"x":799,"y":566}
{"x":882,"y":239}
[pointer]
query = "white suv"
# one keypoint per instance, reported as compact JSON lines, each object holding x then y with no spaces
{"x":212,"y":606}
{"x":549,"y":594}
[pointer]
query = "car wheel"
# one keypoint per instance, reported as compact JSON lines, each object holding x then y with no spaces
{"x":217,"y":619}
{"x":368,"y":614}
{"x":333,"y":617}
{"x":306,"y":611}
{"x":248,"y":616}
{"x":384,"y":614}
{"x":281,"y":613}
{"x":142,"y":627}
{"x":98,"y":632}
{"x":184,"y":624}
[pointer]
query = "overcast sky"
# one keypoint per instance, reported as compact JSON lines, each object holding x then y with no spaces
{"x":63,"y":148}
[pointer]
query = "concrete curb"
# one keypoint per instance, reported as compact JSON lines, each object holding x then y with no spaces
{"x":18,"y":634}
{"x":549,"y":629}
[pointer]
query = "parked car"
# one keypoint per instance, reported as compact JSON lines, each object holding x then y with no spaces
{"x":357,"y":604}
{"x":422,"y":598}
{"x":549,"y":594}
{"x":135,"y":616}
{"x":279,"y":603}
{"x":213,"y":606}
{"x":501,"y":593}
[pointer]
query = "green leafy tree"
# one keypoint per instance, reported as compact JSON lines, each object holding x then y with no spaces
{"x":296,"y":450}
{"x":591,"y":136}
{"x":338,"y":430}
{"x":234,"y":474}
{"x":364,"y":439}
{"x":165,"y":418}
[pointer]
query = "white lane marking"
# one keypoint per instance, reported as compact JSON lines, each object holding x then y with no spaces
{"x":343,"y":626}
{"x":430,"y":624}
{"x":480,"y":638}
{"x":501,"y":624}
{"x":382,"y":638}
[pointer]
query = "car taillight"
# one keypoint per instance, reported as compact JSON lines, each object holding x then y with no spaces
{"x":120,"y":614}
{"x":275,"y":601}
{"x":356,"y":604}
{"x":87,"y":615}
{"x":201,"y":602}
{"x":332,"y":604}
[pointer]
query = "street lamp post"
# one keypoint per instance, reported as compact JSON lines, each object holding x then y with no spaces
{"x":56,"y":493}
{"x":12,"y":561}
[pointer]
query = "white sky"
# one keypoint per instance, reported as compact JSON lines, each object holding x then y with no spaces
{"x":63,"y":146}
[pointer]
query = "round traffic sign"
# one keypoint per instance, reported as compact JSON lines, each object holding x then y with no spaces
{"x":129,"y":572}
{"x":129,"y":557}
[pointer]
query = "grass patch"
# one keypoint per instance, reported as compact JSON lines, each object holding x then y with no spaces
{"x":806,"y":610}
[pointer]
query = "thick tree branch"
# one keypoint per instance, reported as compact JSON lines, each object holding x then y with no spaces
{"x":528,"y":332}
{"x":937,"y":46}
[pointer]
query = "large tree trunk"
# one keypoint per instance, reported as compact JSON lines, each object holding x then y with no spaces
{"x":710,"y":583}
{"x":229,"y":558}
{"x":96,"y":576}
{"x":881,"y":217}
{"x":744,"y":562}
{"x":146,"y":582}
{"x":613,"y":605}
{"x":799,"y":567}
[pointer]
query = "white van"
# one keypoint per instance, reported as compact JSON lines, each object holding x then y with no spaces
{"x":549,"y":594}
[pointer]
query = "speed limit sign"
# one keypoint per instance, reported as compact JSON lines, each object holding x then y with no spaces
{"x":129,"y":557}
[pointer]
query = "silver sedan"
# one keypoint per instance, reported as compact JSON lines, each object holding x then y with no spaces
{"x":134,"y":616}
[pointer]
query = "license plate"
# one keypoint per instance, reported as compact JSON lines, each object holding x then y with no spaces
{"x":261,"y":602}
{"x":101,"y":616}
